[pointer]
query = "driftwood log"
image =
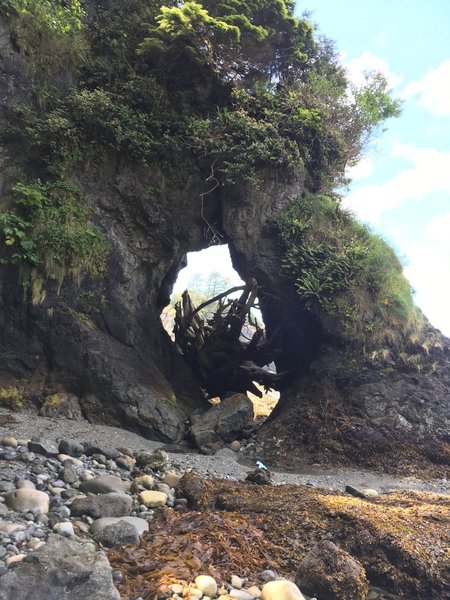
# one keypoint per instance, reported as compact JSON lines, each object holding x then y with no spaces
{"x":228,"y":349}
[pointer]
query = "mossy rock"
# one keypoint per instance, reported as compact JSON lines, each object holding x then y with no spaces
{"x":12,"y":398}
{"x":61,"y":404}
{"x":329,"y":572}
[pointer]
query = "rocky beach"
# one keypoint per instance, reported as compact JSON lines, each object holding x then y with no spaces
{"x":96,"y":512}
{"x":133,"y":134}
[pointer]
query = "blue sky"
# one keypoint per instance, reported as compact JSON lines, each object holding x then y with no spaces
{"x":402,"y":187}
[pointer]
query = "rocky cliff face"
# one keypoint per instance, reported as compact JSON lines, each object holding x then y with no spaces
{"x":347,"y":410}
{"x":104,"y":341}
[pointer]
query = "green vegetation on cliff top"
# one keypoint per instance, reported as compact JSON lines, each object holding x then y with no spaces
{"x":345,"y":274}
{"x":242,"y":90}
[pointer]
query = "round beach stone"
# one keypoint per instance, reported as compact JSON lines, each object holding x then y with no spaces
{"x":10,"y":441}
{"x":69,"y":459}
{"x":235,"y":446}
{"x":171,"y":479}
{"x":7,"y":528}
{"x":127,"y":451}
{"x":45,"y":447}
{"x":14,"y":559}
{"x":152,"y":499}
{"x":117,"y":534}
{"x":103,"y":505}
{"x":141,"y":525}
{"x":8,"y":455}
{"x":154,"y":460}
{"x":281,"y":589}
{"x":146,"y":481}
{"x":267,"y":575}
{"x":125,"y":462}
{"x":370,"y":492}
{"x":22,"y":484}
{"x":103,"y":485}
{"x":6,"y":486}
{"x":69,"y":474}
{"x":238,"y":594}
{"x":176,"y":588}
{"x":237,"y":582}
{"x":25,"y":499}
{"x":163,"y":487}
{"x":192,"y":593}
{"x":206,"y":584}
{"x":65,"y":529}
{"x":254,"y":591}
{"x":70,"y":447}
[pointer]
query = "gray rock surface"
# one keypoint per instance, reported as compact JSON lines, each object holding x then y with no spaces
{"x":60,"y":570}
{"x":70,"y":447}
{"x":122,"y":366}
{"x":223,"y":422}
{"x":141,"y":525}
{"x":27,"y":499}
{"x":103,"y":505}
{"x":330,"y":572}
{"x":42,"y":446}
{"x":91,"y":448}
{"x":117,"y":534}
{"x":381,"y":412}
{"x":155,"y":459}
{"x":103,"y":485}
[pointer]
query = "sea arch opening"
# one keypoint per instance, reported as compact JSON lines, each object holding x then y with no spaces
{"x":222,"y":336}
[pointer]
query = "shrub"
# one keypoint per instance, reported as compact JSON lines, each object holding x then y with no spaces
{"x":49,"y":235}
{"x":345,"y":274}
{"x":12,"y":398}
{"x":50,"y":34}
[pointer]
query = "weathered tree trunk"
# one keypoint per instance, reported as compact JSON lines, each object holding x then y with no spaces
{"x":217,"y":348}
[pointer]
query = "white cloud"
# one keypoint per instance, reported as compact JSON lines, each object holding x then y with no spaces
{"x":438,"y":229}
{"x":428,"y":173}
{"x":433,"y":90}
{"x":428,"y":265}
{"x":370,"y":62}
{"x":213,"y":259}
{"x":362,"y":169}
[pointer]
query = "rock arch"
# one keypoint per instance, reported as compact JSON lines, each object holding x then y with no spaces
{"x":115,"y":357}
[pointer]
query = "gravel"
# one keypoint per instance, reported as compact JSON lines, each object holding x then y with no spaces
{"x":225,"y":464}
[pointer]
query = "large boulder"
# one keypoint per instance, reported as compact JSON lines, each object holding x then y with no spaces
{"x":349,"y":410}
{"x":223,"y":422}
{"x":111,"y":357}
{"x":332,"y":574}
{"x":281,"y":589}
{"x":60,"y":570}
{"x":117,"y":534}
{"x":24,"y":499}
{"x":103,"y":484}
{"x":102,"y":505}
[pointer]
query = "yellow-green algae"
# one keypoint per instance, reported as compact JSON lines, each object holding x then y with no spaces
{"x":400,"y":538}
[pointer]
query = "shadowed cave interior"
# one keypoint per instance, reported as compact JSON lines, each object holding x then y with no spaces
{"x":215,"y":290}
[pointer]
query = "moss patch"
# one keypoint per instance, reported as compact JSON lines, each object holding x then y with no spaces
{"x":12,"y":398}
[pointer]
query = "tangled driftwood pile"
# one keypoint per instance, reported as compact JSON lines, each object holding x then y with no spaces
{"x":227,"y":349}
